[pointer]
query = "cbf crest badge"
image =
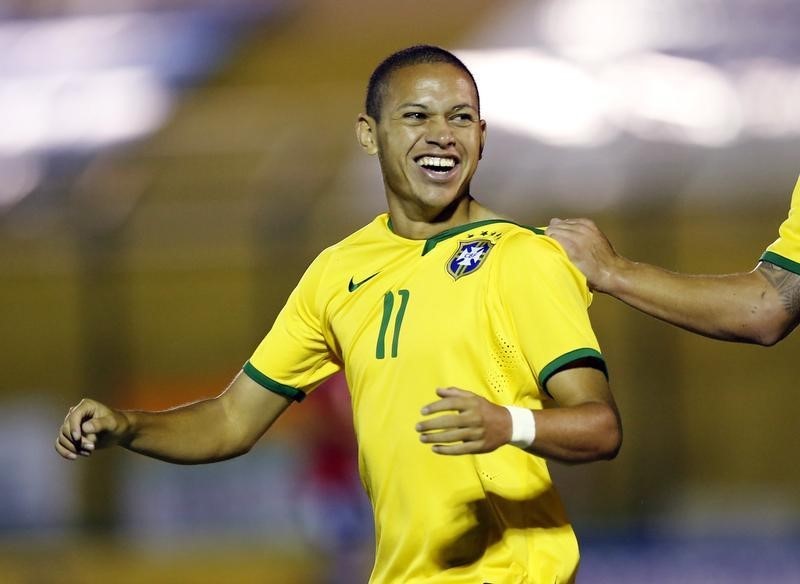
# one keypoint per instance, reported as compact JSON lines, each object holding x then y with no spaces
{"x":469,"y":256}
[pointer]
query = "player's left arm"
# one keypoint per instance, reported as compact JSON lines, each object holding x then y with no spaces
{"x":584,"y":427}
{"x":584,"y":424}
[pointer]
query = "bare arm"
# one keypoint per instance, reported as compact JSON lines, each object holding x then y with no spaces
{"x":583,"y":428}
{"x":205,"y":431}
{"x":761,"y":306}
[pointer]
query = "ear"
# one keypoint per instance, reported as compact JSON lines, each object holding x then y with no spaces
{"x":366,"y":130}
{"x":483,"y":138}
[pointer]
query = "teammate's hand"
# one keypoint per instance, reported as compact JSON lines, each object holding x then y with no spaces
{"x":471,"y":425}
{"x":88,"y":426}
{"x":589,"y":249}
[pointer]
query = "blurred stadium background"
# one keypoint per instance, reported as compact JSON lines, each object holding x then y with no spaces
{"x":168,"y":168}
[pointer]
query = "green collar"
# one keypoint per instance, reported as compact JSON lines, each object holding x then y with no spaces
{"x":453,"y":231}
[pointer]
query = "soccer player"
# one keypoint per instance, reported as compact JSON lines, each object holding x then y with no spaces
{"x":467,"y":350}
{"x":761,"y":306}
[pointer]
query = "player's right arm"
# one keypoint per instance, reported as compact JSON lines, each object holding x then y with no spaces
{"x":205,"y":431}
{"x":291,"y":360}
{"x":761,"y":306}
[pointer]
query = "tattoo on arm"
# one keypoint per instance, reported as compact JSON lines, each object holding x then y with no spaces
{"x":787,"y":284}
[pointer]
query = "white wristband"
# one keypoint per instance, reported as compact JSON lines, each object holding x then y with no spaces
{"x":523,"y":426}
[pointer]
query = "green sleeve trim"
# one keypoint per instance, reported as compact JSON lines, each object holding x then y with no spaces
{"x":780,"y":261}
{"x":595,"y":360}
{"x":272,"y":385}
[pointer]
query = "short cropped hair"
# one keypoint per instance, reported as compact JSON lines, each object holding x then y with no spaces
{"x":379,"y":80}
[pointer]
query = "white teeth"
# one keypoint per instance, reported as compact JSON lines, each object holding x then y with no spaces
{"x":436,"y":161}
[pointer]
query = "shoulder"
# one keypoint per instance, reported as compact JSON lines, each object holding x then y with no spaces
{"x":367,"y":234}
{"x":527,"y":255}
{"x":372,"y":230}
{"x":324,"y":277}
{"x":531,"y":243}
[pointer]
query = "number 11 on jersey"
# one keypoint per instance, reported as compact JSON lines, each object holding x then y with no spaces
{"x":388,"y":309}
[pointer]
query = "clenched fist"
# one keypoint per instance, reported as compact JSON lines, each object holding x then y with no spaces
{"x":88,"y":426}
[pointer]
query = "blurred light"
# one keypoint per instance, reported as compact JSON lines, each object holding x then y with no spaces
{"x":79,"y":109}
{"x":650,"y":96}
{"x":676,"y":100}
{"x":551,"y":100}
{"x":109,"y":107}
{"x":591,"y":31}
{"x":770,"y":91}
{"x":706,"y":74}
{"x":587,"y":29}
{"x":19,"y":176}
{"x":63,"y":44}
{"x":87,"y":81}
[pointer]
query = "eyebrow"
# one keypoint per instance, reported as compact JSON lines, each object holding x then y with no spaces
{"x":409,"y":104}
{"x":425,"y":107}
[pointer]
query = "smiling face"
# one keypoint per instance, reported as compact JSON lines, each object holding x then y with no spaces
{"x":429,"y":139}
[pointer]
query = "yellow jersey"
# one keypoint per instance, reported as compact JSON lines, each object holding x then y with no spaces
{"x":490,"y":307}
{"x":785,"y":251}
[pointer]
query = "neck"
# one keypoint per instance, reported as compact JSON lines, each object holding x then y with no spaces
{"x":464,"y":210}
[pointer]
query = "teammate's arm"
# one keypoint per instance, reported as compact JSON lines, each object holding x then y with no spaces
{"x":584,"y":427}
{"x":205,"y":431}
{"x":761,"y":306}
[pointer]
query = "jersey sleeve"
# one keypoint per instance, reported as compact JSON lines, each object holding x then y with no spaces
{"x":785,"y":251}
{"x":547,"y":300}
{"x":294,"y":357}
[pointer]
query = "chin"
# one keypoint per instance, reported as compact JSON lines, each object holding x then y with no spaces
{"x":442,"y":198}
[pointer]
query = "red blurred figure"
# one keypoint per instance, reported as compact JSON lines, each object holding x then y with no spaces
{"x":335,"y":512}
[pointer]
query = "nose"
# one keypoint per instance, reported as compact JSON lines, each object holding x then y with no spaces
{"x":440,"y":133}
